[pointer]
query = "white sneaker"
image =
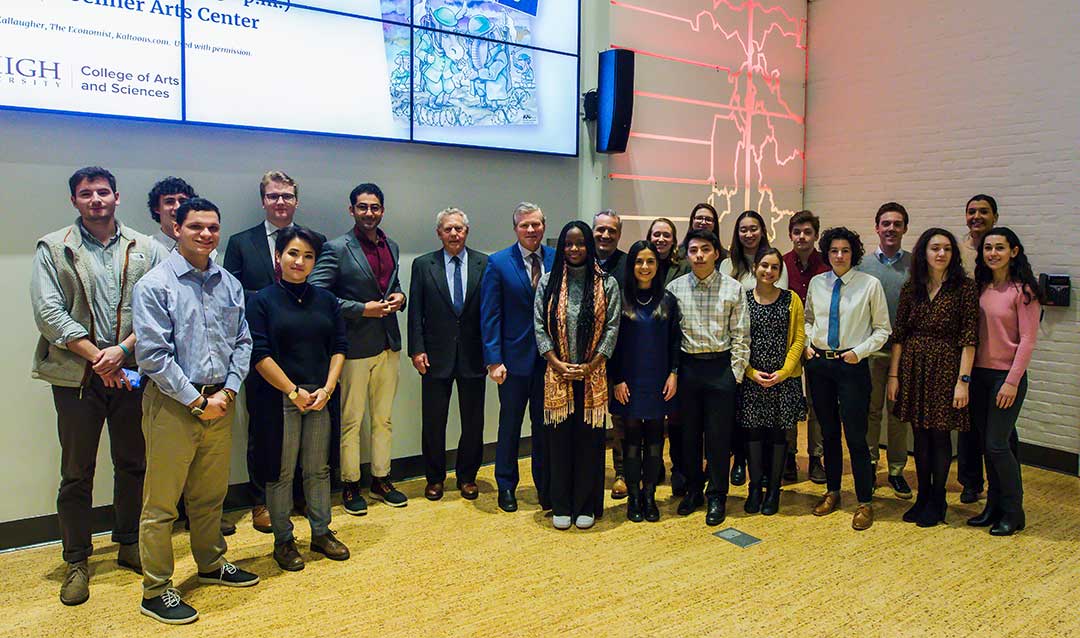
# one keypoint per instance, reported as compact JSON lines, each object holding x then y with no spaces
{"x":584,"y":521}
{"x":561,"y":522}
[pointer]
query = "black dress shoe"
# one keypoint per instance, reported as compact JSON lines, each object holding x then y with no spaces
{"x":648,"y":504}
{"x":633,"y":508}
{"x":970,"y":495}
{"x":1008,"y":525}
{"x":738,"y":474}
{"x":690,"y":503}
{"x":507,"y":501}
{"x":915,"y":511}
{"x":753,"y":500}
{"x":678,"y":483}
{"x":989,"y":517}
{"x":791,"y":469}
{"x":715,"y":514}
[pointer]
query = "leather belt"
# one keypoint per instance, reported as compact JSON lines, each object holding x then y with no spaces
{"x":209,"y":389}
{"x":831,"y":354}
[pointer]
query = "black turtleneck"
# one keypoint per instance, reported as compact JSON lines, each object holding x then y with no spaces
{"x":298,"y":325}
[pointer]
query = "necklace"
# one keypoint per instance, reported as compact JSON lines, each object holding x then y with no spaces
{"x":299,"y":298}
{"x":637,"y":297}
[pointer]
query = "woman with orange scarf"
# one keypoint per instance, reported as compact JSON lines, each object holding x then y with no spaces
{"x":576,"y":318}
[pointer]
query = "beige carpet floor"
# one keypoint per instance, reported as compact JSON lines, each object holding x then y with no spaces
{"x":462,"y":568}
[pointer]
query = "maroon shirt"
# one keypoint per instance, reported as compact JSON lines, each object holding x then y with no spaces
{"x":378,"y":256}
{"x":798,"y":278}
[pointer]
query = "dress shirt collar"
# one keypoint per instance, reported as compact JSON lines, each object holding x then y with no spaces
{"x":271,"y":229}
{"x":181,"y":266}
{"x":88,"y":236}
{"x":163,"y":239}
{"x":707,"y":282}
{"x":380,"y":237}
{"x":883,"y":258}
{"x":539,"y":252}
{"x":812,"y":262}
{"x":447,"y":257}
{"x":846,"y":278}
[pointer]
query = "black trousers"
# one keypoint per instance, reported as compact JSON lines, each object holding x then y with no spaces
{"x":969,"y":460}
{"x":434,"y":410}
{"x":841,"y":395}
{"x":80,"y":416}
{"x":707,"y":406}
{"x":996,"y":428}
{"x":576,"y":461}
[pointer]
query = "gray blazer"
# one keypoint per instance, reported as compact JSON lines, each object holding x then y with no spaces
{"x":343,"y":269}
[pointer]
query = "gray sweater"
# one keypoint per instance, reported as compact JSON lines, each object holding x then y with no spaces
{"x":575,"y":278}
{"x":892,"y":277}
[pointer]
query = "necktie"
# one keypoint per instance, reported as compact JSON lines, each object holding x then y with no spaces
{"x":459,"y":292}
{"x":534,"y":259}
{"x":834,"y":316}
{"x":273,"y":257}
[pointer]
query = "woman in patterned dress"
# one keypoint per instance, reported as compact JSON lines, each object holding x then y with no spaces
{"x":772,"y":400}
{"x":932,"y":355}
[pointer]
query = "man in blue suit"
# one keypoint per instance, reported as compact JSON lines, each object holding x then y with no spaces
{"x":510,"y":354}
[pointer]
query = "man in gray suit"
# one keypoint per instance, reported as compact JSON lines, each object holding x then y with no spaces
{"x":361,"y":269}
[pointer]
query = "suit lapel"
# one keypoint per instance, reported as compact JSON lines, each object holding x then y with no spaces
{"x":353,"y":246}
{"x":262,"y":250}
{"x":519,"y":266}
{"x":476,"y":271}
{"x":438,"y":273}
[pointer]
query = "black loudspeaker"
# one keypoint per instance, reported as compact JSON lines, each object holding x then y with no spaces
{"x":615,"y":98}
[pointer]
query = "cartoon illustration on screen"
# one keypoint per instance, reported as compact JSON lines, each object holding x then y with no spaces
{"x":460,"y":80}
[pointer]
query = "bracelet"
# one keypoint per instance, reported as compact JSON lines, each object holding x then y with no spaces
{"x":124,"y":348}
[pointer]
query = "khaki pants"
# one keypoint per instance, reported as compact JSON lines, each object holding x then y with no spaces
{"x":896,"y":430}
{"x":189,"y":456}
{"x":371,"y":380}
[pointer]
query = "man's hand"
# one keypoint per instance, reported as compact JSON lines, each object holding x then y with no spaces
{"x":116,"y":379}
{"x":396,"y":301}
{"x":377,"y":309}
{"x":318,"y":400}
{"x":217,"y":405}
{"x":497,"y":372}
{"x":420,"y":362}
{"x":109,"y":360}
{"x":851,"y":357}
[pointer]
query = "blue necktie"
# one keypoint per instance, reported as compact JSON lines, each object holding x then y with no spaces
{"x":834,"y":316}
{"x":459,"y":291}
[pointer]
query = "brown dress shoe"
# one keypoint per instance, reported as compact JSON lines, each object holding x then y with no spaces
{"x":618,"y":488}
{"x":469,"y":491}
{"x":864,"y":517}
{"x":260,"y":519}
{"x":287,"y":557}
{"x":328,"y":545}
{"x":433,"y":491}
{"x":827,"y":504}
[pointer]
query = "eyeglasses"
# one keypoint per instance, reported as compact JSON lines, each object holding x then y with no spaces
{"x":285,"y":197}
{"x":363,"y":208}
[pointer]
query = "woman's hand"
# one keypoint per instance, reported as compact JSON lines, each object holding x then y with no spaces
{"x":319,"y":398}
{"x":892,"y":388}
{"x":302,"y":400}
{"x":562,"y":370}
{"x":622,"y":393}
{"x":960,"y":395}
{"x":671,"y":386}
{"x":1006,"y":396}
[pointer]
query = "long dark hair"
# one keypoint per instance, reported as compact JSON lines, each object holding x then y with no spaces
{"x":556,"y":281}
{"x":920,"y":266}
{"x":739,"y":259}
{"x":1020,"y":273}
{"x":708,"y":208}
{"x":630,"y":290}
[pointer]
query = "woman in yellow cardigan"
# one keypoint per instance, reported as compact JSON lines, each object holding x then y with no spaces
{"x":771,"y":397}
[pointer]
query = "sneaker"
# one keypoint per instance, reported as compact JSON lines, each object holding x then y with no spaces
{"x":351,"y":499}
{"x":382,"y":489}
{"x":229,"y":575}
{"x":900,"y":487}
{"x":169,"y":608}
{"x":76,"y":587}
{"x":561,"y":522}
{"x":584,"y":521}
{"x":128,"y":556}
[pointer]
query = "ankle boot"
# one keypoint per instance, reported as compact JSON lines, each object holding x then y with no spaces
{"x":990,"y":515}
{"x":776,"y":475}
{"x":648,"y":504}
{"x":1010,"y":523}
{"x":915,"y":511}
{"x":633,"y":505}
{"x":756,"y":458}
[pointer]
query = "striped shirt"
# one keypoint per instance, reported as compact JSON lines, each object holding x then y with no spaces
{"x":713,"y":317}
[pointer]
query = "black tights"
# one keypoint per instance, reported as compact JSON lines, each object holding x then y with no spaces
{"x":643,"y":435}
{"x":766,"y":451}
{"x":933,"y":456}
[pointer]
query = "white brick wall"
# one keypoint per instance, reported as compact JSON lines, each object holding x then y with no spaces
{"x":928,"y":103}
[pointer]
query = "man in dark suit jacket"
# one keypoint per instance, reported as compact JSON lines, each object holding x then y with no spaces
{"x":445,"y":346}
{"x":361,"y":269}
{"x":249,"y":257}
{"x":510,"y":353}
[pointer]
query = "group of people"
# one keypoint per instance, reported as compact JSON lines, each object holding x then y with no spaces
{"x":703,"y":345}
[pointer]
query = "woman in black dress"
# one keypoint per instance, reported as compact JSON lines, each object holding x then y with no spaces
{"x":643,"y":370}
{"x":932,"y":355}
{"x":771,"y":399}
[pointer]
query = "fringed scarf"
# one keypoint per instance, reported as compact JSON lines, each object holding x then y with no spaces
{"x":559,"y":392}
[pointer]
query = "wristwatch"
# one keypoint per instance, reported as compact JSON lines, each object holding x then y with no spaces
{"x":295,"y":393}
{"x":199,"y":409}
{"x":965,"y":378}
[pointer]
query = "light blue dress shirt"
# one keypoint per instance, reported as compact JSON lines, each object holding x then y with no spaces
{"x":190,"y":328}
{"x":448,"y":260}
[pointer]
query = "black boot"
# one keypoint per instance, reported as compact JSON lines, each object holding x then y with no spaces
{"x":776,"y":471}
{"x":756,"y":453}
{"x":633,"y":505}
{"x":738,"y":470}
{"x":648,"y":504}
{"x":1010,"y":523}
{"x":915,"y":511}
{"x":990,"y":515}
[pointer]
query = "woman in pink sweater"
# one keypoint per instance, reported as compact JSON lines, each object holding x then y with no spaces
{"x":1009,"y":313}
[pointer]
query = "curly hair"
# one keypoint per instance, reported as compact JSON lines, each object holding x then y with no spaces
{"x":846,"y":234}
{"x":168,"y":186}
{"x":920,"y":266}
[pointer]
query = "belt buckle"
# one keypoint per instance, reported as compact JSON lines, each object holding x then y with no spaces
{"x":204,"y":388}
{"x":831,"y":354}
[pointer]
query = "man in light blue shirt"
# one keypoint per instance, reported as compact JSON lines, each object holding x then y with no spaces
{"x":194,"y":344}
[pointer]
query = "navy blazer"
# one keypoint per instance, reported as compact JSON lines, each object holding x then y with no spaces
{"x":506,"y":310}
{"x":343,"y":269}
{"x":450,"y":340}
